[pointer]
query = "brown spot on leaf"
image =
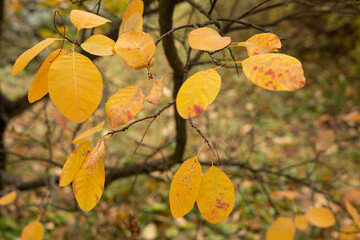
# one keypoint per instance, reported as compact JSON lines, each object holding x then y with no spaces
{"x":222,"y":205}
{"x":255,"y":67}
{"x":280,"y":75}
{"x":198,"y":109}
{"x":270,"y":72}
{"x":129,"y":115}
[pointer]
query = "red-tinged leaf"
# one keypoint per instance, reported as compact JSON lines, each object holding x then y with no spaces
{"x":156,"y":91}
{"x":197,"y":93}
{"x":216,"y":197}
{"x":353,"y":212}
{"x":184,"y":187}
{"x":324,"y":141}
{"x":274,"y":71}
{"x":73,"y":163}
{"x":96,"y":155}
{"x":82,"y":19}
{"x":124,"y":105}
{"x":261,"y":43}
{"x":88,"y":133}
{"x":282,"y":228}
{"x":320,"y":217}
{"x":207,"y":39}
{"x":8,"y":198}
{"x":33,"y":231}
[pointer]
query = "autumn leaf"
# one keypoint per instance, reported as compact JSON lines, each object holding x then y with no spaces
{"x":207,"y":39}
{"x":216,"y":197}
{"x":88,"y":133}
{"x":75,"y":86}
{"x":184,"y":187}
{"x":39,"y":87}
{"x":96,"y":155}
{"x":22,"y":61}
{"x":261,"y":43}
{"x":156,"y":91}
{"x":132,"y":18}
{"x":88,"y":185}
{"x":141,"y":66}
{"x":99,"y":45}
{"x":348,"y":232}
{"x":136,"y":48}
{"x":282,"y":228}
{"x":301,"y":222}
{"x":197,"y":93}
{"x":8,"y":198}
{"x":324,"y":141}
{"x":73,"y":163}
{"x":353,"y":212}
{"x":33,"y":231}
{"x":284,"y":194}
{"x":82,"y":19}
{"x":275,"y":72}
{"x":320,"y":217}
{"x":124,"y":105}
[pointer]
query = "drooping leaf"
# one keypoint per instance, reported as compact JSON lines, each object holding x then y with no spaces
{"x":33,"y":231}
{"x":82,"y":19}
{"x":261,"y":43}
{"x":301,"y":222}
{"x":282,"y":228}
{"x":136,"y":48}
{"x":96,"y":155}
{"x":124,"y":105}
{"x":353,"y":212}
{"x":216,"y":197}
{"x":99,"y":45}
{"x":156,"y":91}
{"x":8,"y":198}
{"x":320,"y":217}
{"x":22,"y":61}
{"x":75,"y":86}
{"x":141,"y":66}
{"x":197,"y":93}
{"x":324,"y":141}
{"x":184,"y":187}
{"x":275,"y":72}
{"x":284,"y":194}
{"x":88,"y":186}
{"x":39,"y":87}
{"x":88,"y":133}
{"x":207,"y":39}
{"x":132,"y":18}
{"x":73,"y":163}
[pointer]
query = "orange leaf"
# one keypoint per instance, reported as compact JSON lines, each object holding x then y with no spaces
{"x":73,"y":163}
{"x":22,"y":61}
{"x":59,"y":119}
{"x":320,"y":217}
{"x":216,"y":197}
{"x":301,"y":222}
{"x":261,"y":43}
{"x":281,"y":229}
{"x":324,"y":141}
{"x":287,"y":194}
{"x":353,"y":212}
{"x":33,"y":231}
{"x":132,"y":18}
{"x":88,"y":133}
{"x":124,"y":105}
{"x":156,"y":91}
{"x":348,"y":233}
{"x":96,"y":155}
{"x":8,"y":198}
{"x":275,"y":72}
{"x":141,"y":66}
{"x":99,"y":45}
{"x":207,"y":39}
{"x":39,"y":87}
{"x":82,"y":19}
{"x":184,"y":187}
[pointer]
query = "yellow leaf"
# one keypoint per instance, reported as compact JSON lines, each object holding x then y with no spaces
{"x":320,"y":217}
{"x":136,"y":48}
{"x":207,"y":39}
{"x":22,"y":61}
{"x":96,"y":155}
{"x":282,"y":228}
{"x":348,"y":232}
{"x":197,"y":93}
{"x":287,"y":194}
{"x":99,"y":45}
{"x":261,"y":43}
{"x":39,"y":87}
{"x":82,"y":19}
{"x":73,"y":163}
{"x":324,"y":141}
{"x":124,"y":105}
{"x":353,"y":212}
{"x":75,"y":86}
{"x":8,"y":198}
{"x":88,"y":186}
{"x":301,"y":222}
{"x":88,"y":133}
{"x":156,"y":91}
{"x":184,"y":187}
{"x":141,"y":66}
{"x":33,"y":231}
{"x":132,"y":18}
{"x":274,"y":71}
{"x":216,"y":197}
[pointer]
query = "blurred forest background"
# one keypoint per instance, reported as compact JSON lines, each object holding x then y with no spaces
{"x":267,"y":141}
